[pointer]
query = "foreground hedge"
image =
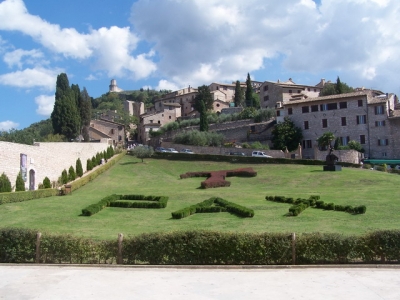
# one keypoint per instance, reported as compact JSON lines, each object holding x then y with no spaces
{"x":203,"y":248}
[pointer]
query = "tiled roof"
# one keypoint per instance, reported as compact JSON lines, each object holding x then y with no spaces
{"x":324,"y":98}
{"x":395,"y":113}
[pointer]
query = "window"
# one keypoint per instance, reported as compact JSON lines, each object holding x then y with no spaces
{"x":342,"y":105}
{"x":324,"y":123}
{"x":290,"y":111}
{"x":298,"y":91}
{"x":344,"y":123}
{"x":169,"y":117}
{"x":278,"y":113}
{"x":344,"y":140}
{"x":379,"y":110}
{"x":360,"y":103}
{"x":266,"y":98}
{"x":314,"y":108}
{"x":112,"y":131}
{"x":265,"y":88}
{"x":380,"y":123}
{"x":315,"y":90}
{"x":324,"y":107}
{"x":384,"y":154}
{"x":362,"y":139}
{"x":307,"y":144}
{"x":361,"y":119}
{"x":290,"y":91}
{"x":332,"y":106}
{"x":151,"y":121}
{"x":158,"y":122}
{"x":306,"y":125}
{"x":383,"y":142}
{"x":305,"y":109}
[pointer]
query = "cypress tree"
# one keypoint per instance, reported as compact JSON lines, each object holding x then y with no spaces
{"x":78,"y":168}
{"x":19,"y":183}
{"x":203,"y":117}
{"x":71,"y":174}
{"x":238,"y":94}
{"x":64,"y":177}
{"x":249,"y":92}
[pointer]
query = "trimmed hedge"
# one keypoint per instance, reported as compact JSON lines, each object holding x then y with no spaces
{"x":27,"y":195}
{"x":112,"y":201}
{"x":313,"y":201}
{"x":204,"y":248}
{"x":206,"y":207}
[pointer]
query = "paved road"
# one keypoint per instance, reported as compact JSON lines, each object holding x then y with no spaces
{"x":94,"y":282}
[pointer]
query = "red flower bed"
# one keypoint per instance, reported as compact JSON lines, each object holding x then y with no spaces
{"x":217,"y":178}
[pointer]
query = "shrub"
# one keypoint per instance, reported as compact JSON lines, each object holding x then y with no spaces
{"x":89,"y":165}
{"x":19,"y":183}
{"x":78,"y":168}
{"x":5,"y":184}
{"x":46,"y":183}
{"x":27,"y":195}
{"x":71,"y":174}
{"x":64,"y":177}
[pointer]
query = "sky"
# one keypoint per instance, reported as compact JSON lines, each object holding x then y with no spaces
{"x":171,"y":44}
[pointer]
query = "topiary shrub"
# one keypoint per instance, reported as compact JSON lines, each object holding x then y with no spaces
{"x":5,"y":184}
{"x":64,"y":177}
{"x":46,"y":183}
{"x":19,"y":183}
{"x":71,"y":174}
{"x":89,"y":165}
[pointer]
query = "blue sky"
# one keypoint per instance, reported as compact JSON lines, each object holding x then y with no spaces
{"x":170,"y":44}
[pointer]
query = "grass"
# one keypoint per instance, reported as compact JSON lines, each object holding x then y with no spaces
{"x":377,"y":190}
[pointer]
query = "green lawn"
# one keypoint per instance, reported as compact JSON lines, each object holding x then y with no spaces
{"x":377,"y":190}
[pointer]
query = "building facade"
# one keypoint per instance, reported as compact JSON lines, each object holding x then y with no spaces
{"x":368,"y":117}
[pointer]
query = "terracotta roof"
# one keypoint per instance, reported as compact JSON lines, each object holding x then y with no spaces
{"x":324,"y":98}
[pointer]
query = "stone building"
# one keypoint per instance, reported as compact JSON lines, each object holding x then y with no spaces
{"x":44,"y":159}
{"x":275,"y":94}
{"x":366,"y":116}
{"x":104,"y":129}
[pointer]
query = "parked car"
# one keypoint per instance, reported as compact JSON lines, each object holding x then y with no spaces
{"x":237,"y":153}
{"x":160,"y":149}
{"x":188,"y":151}
{"x":170,"y":150}
{"x":260,"y":154}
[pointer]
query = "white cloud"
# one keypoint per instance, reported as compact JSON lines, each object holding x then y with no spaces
{"x":29,"y":78}
{"x":7,"y":125}
{"x":221,"y":40}
{"x":91,"y":77}
{"x":45,"y":104}
{"x":110,"y":48}
{"x":166,"y":85}
{"x":15,"y":57}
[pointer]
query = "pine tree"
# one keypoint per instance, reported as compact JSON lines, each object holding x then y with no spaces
{"x":19,"y":183}
{"x":238,"y":95}
{"x":249,"y":92}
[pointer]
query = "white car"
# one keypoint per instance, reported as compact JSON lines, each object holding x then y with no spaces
{"x":260,"y":154}
{"x":170,"y":150}
{"x":188,"y":151}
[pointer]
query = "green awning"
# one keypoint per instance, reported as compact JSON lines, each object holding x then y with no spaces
{"x":382,"y":161}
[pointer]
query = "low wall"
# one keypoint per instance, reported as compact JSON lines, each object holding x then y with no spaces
{"x":221,"y":150}
{"x":350,"y":156}
{"x":45,"y":159}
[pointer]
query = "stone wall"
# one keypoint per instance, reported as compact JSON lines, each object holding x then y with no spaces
{"x":350,"y":156}
{"x":45,"y":159}
{"x":221,"y":150}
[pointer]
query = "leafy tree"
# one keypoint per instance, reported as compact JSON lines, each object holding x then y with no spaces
{"x":142,"y":152}
{"x":203,"y":95}
{"x":335,"y":88}
{"x":78,"y":168}
{"x":71,"y":174}
{"x":46,"y":183}
{"x":65,"y":116}
{"x":19,"y":183}
{"x":203,"y":117}
{"x":325,"y":140}
{"x":286,"y":134}
{"x":5,"y":184}
{"x":249,"y":92}
{"x":239,"y":96}
{"x":353,"y":145}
